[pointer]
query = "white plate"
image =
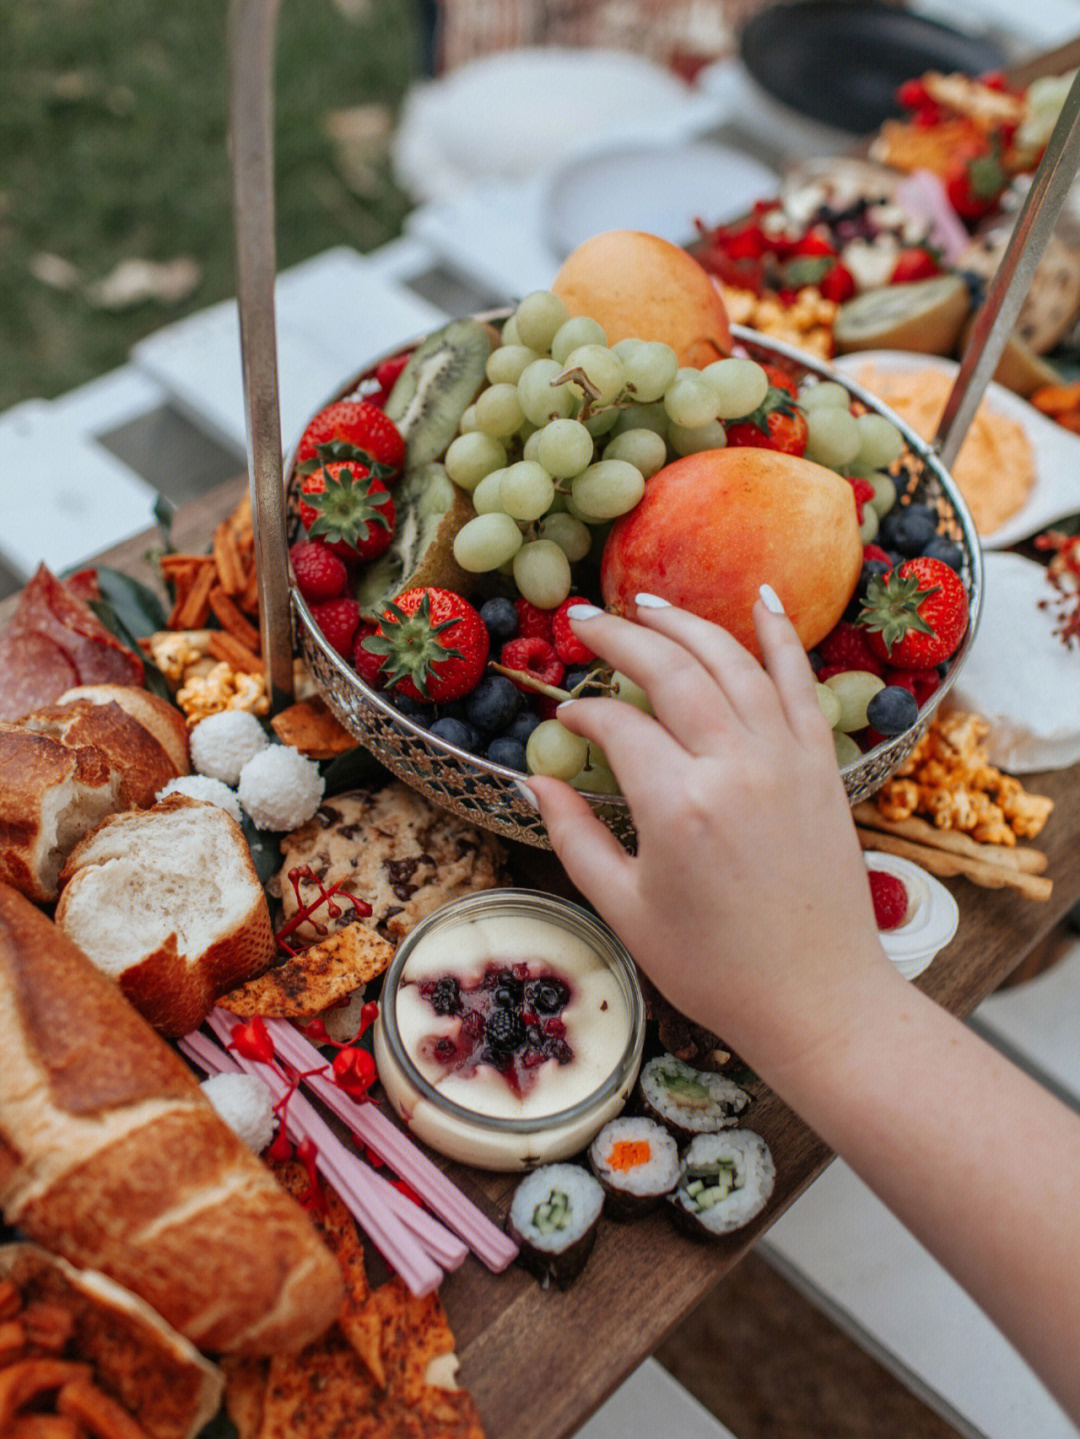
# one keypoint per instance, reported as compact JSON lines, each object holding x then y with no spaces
{"x":1056,"y":491}
{"x":659,"y":188}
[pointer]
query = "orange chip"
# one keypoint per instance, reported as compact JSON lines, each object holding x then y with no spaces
{"x":314,"y":979}
{"x":245,"y":1386}
{"x":310,"y":727}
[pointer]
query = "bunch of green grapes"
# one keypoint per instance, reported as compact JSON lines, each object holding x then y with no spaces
{"x":567,"y":431}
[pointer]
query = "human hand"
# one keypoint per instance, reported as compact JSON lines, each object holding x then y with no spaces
{"x":747,"y":902}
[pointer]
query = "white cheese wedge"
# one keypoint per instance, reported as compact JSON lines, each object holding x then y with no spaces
{"x":1019,"y":676}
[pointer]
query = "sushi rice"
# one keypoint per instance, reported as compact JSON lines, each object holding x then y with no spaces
{"x":690,"y":1101}
{"x":637,"y":1162}
{"x":553,"y":1217}
{"x":724,"y":1180}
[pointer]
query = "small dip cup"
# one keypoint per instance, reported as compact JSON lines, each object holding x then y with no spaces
{"x":544,"y":929}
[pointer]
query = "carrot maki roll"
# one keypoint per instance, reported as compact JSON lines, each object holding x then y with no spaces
{"x":637,"y":1162}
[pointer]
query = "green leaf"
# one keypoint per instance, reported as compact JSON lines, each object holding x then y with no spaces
{"x":349,"y":770}
{"x":265,"y":849}
{"x":165,"y":512}
{"x":153,"y":679}
{"x":138,"y":607}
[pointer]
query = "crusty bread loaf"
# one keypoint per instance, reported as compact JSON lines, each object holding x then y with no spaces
{"x":111,"y":1157}
{"x":167,"y":902}
{"x":163,"y":720}
{"x":50,"y":797}
{"x":143,"y":764}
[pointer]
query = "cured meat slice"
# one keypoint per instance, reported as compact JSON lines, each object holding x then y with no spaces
{"x":33,"y":672}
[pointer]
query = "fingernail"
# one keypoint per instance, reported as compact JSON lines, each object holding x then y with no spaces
{"x":583,"y":612}
{"x":563,"y":705}
{"x":526,"y":794}
{"x":771,"y":600}
{"x":651,"y":602}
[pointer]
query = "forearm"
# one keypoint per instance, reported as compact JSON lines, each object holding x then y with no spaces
{"x":979,"y":1162}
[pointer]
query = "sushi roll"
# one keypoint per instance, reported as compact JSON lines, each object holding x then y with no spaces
{"x":689,"y":1101}
{"x":553,"y":1218}
{"x":724,"y":1180}
{"x":637,"y":1162}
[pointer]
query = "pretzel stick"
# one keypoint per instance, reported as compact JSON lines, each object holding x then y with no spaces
{"x":944,"y":864}
{"x":1032,"y":861}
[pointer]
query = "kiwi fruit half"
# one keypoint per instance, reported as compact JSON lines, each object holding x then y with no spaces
{"x":436,"y":387}
{"x":924,"y":315}
{"x":430,"y":511}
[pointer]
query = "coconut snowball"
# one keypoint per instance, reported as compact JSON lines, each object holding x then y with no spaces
{"x":222,"y":744}
{"x":280,"y":788}
{"x":197,"y":786}
{"x":244,"y":1103}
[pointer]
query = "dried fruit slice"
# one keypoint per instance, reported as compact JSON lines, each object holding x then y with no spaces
{"x":925,"y":316}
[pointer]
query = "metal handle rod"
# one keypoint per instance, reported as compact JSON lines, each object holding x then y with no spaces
{"x":252,"y":42}
{"x":996,"y":318}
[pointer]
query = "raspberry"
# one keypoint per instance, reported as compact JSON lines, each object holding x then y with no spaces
{"x":338,"y":620}
{"x":921,"y":683}
{"x":367,"y":666}
{"x":845,"y":648}
{"x":320,"y":574}
{"x":532,"y":622}
{"x":875,"y":552}
{"x":567,"y":645}
{"x":864,"y":491}
{"x":890,"y":898}
{"x":535,"y":656}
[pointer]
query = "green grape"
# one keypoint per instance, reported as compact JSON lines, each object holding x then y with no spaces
{"x":578,"y":330}
{"x":854,"y":689}
{"x":559,"y":503}
{"x":649,"y":366}
{"x":832,"y":436}
{"x":740,"y":386}
{"x":602,"y":369}
{"x":847,"y":751}
{"x":868,"y":530}
{"x":602,"y":423}
{"x":538,"y":319}
{"x":880,"y":442}
{"x":487,"y":497}
{"x":690,"y":401}
{"x":884,"y":493}
{"x":686,"y":441}
{"x":553,"y":749}
{"x":507,"y":364}
{"x":829,"y":704}
{"x":572,"y":536}
{"x":564,"y":448}
{"x":498,"y":411}
{"x":531,"y":448}
{"x":624,"y":688}
{"x":526,"y":490}
{"x":542,"y":573}
{"x":472,"y":456}
{"x":540,"y":399}
{"x":652,"y":416}
{"x":644,"y":449}
{"x":608,"y":488}
{"x":825,"y":392}
{"x":486,"y":542}
{"x":575,"y":512}
{"x":595,"y":775}
{"x":469,"y":421}
{"x":510,"y":334}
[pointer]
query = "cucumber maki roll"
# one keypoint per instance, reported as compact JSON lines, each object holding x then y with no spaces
{"x":553,"y":1218}
{"x":637,"y":1162}
{"x":689,"y":1101}
{"x":724,"y":1180}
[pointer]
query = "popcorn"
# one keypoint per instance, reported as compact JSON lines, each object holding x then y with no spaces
{"x":222,"y":689}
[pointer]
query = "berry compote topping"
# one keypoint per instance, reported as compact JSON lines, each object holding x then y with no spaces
{"x":509,"y":1020}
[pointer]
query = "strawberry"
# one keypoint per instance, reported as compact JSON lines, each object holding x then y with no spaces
{"x":837,"y":284}
{"x":845,"y":648}
{"x":386,"y":375}
{"x":567,"y":645}
{"x":863,"y":490}
{"x":875,"y":552}
{"x":338,"y":620}
{"x":916,"y":615}
{"x":916,"y":263}
{"x":777,"y":423}
{"x":534,"y":656}
{"x":349,"y":508}
{"x":320,"y":574}
{"x":367,"y":666}
{"x":360,"y":425}
{"x":432,"y":643}
{"x":532,"y":621}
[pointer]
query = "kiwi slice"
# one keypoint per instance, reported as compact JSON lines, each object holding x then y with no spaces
{"x":925,"y":316}
{"x":430,"y":511}
{"x":436,"y":387}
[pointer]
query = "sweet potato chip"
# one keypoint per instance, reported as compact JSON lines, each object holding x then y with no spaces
{"x":310,"y":727}
{"x":315,"y":979}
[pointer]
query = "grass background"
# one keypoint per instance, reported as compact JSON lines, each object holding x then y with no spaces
{"x":112,"y":147}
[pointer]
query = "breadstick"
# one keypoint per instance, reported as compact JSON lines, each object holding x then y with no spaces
{"x":1032,"y":861}
{"x":944,"y":864}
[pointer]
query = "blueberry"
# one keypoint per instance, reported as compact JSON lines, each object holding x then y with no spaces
{"x":412,"y":709}
{"x":500,"y":617}
{"x":909,"y":529}
{"x":581,"y":675}
{"x":892,"y":710}
{"x":452,"y":709}
{"x":945,"y":550}
{"x":521,"y":728}
{"x":508,"y":752}
{"x":548,"y":996}
{"x":504,"y":1031}
{"x":445,"y":996}
{"x":493,"y":704}
{"x":872,"y":569}
{"x":508,"y":982}
{"x":456,"y":732}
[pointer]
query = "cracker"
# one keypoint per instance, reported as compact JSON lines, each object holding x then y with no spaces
{"x":315,"y":979}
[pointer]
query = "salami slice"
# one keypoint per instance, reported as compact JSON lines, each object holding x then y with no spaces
{"x":97,"y":656}
{"x":33,"y":672}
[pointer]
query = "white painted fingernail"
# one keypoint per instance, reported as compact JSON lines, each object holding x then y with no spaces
{"x":583,"y":612}
{"x":563,"y":705}
{"x":651,"y":602}
{"x":771,"y":600}
{"x":526,"y":794}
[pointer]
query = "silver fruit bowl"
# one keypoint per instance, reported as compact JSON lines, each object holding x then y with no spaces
{"x":487,"y":794}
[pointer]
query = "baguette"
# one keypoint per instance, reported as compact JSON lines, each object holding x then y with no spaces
{"x":162,"y":719}
{"x":111,"y":1157}
{"x":143,"y":764}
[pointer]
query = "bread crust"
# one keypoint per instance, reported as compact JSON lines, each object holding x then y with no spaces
{"x":116,"y":1162}
{"x":143,"y":764}
{"x":163,"y":720}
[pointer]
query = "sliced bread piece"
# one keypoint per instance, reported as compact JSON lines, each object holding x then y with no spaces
{"x":166,"y":901}
{"x":163,"y":720}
